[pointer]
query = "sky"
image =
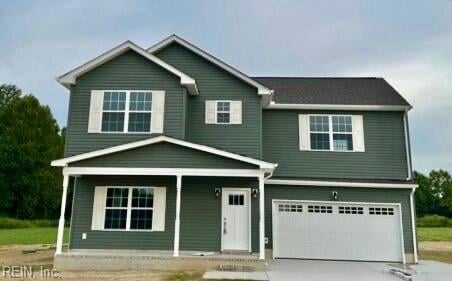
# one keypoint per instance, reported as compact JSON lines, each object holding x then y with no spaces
{"x":409,"y":43}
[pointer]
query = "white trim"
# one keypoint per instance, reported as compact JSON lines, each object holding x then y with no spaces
{"x":261,"y":89}
{"x":398,"y":205}
{"x":261,"y":217}
{"x":413,"y":225}
{"x":161,"y":171}
{"x":177,"y":219}
{"x":60,"y":234}
{"x":339,"y":107}
{"x":70,"y":78}
{"x":407,"y":145}
{"x":340,"y":184}
{"x":64,"y":161}
{"x":248,"y":190}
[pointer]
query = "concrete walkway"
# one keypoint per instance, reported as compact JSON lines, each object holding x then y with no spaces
{"x":310,"y":270}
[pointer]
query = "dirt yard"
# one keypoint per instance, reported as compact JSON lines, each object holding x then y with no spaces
{"x":38,"y":256}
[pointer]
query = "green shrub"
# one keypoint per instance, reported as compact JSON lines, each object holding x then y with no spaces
{"x":9,"y":223}
{"x":434,"y":221}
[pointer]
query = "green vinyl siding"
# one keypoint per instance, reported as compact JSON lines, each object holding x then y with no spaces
{"x":164,"y":155}
{"x":129,"y":71}
{"x":82,"y":215}
{"x":384,"y":156}
{"x":200,"y":228}
{"x":346,"y":194}
{"x":215,"y":83}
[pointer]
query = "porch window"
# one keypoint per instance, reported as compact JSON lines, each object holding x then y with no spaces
{"x":129,"y":208}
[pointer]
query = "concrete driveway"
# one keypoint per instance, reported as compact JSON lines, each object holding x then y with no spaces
{"x":310,"y":270}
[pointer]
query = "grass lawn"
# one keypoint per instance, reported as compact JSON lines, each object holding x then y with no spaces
{"x":30,"y":235}
{"x":434,"y":233}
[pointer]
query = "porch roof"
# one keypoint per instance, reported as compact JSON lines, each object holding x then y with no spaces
{"x":117,"y":153}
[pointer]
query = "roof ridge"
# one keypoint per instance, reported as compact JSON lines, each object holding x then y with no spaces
{"x":317,"y":77}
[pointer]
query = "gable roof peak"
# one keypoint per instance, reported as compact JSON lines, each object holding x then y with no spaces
{"x":70,"y":77}
{"x":261,"y":89}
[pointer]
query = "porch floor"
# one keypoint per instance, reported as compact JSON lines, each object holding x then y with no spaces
{"x":154,"y":259}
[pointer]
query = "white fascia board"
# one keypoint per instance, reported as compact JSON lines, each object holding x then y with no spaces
{"x":78,"y":171}
{"x":341,"y":184}
{"x":262,"y":164}
{"x":70,"y":77}
{"x":261,"y":89}
{"x":339,"y":107}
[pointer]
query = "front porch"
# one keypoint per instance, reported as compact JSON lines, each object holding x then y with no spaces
{"x":156,"y":260}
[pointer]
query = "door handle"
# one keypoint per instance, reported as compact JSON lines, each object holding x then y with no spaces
{"x":224,"y":226}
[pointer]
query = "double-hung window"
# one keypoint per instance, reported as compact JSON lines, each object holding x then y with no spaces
{"x":114,"y":111}
{"x":223,"y":111}
{"x":331,"y":132}
{"x":129,"y":208}
{"x":127,"y":111}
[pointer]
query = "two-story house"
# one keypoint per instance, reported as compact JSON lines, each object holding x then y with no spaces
{"x":171,"y":149}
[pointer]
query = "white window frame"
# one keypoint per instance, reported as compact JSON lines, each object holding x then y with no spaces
{"x":330,"y":132}
{"x":126,"y":112}
{"x":129,"y":209}
{"x":229,"y":112}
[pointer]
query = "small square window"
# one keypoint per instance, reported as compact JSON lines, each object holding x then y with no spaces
{"x":223,"y":112}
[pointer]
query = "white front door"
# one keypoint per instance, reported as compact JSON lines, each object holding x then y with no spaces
{"x":235,"y":220}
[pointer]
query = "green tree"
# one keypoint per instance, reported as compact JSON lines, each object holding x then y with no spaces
{"x":434,"y":194}
{"x":30,"y":139}
{"x":8,"y":93}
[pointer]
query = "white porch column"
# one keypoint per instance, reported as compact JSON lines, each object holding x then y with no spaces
{"x":59,"y":245}
{"x":261,"y":218}
{"x":177,"y":220}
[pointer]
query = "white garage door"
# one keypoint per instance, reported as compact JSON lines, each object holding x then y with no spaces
{"x":337,"y":231}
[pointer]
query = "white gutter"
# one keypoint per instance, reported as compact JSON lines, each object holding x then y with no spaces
{"x":340,"y":184}
{"x":273,"y":105}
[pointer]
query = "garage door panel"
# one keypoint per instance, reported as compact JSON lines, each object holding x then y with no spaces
{"x":337,"y":230}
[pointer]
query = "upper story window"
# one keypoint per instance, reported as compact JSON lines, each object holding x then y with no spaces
{"x":223,"y":112}
{"x":331,"y":132}
{"x":123,"y":111}
{"x":321,"y":132}
{"x":127,"y":111}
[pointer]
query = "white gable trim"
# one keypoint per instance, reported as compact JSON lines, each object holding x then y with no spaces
{"x":64,"y":161}
{"x":261,"y":89}
{"x":70,"y":77}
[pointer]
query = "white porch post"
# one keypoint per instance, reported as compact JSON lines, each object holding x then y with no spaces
{"x":261,"y":218}
{"x":59,"y":245}
{"x":177,"y":220}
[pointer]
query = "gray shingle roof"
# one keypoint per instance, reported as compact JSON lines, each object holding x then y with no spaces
{"x":323,"y":90}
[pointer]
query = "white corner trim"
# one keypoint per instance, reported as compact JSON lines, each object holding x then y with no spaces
{"x":261,"y":89}
{"x":340,"y":184}
{"x":64,"y":161}
{"x":70,"y":77}
{"x":407,"y":145}
{"x":413,"y":224}
{"x":338,"y":107}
